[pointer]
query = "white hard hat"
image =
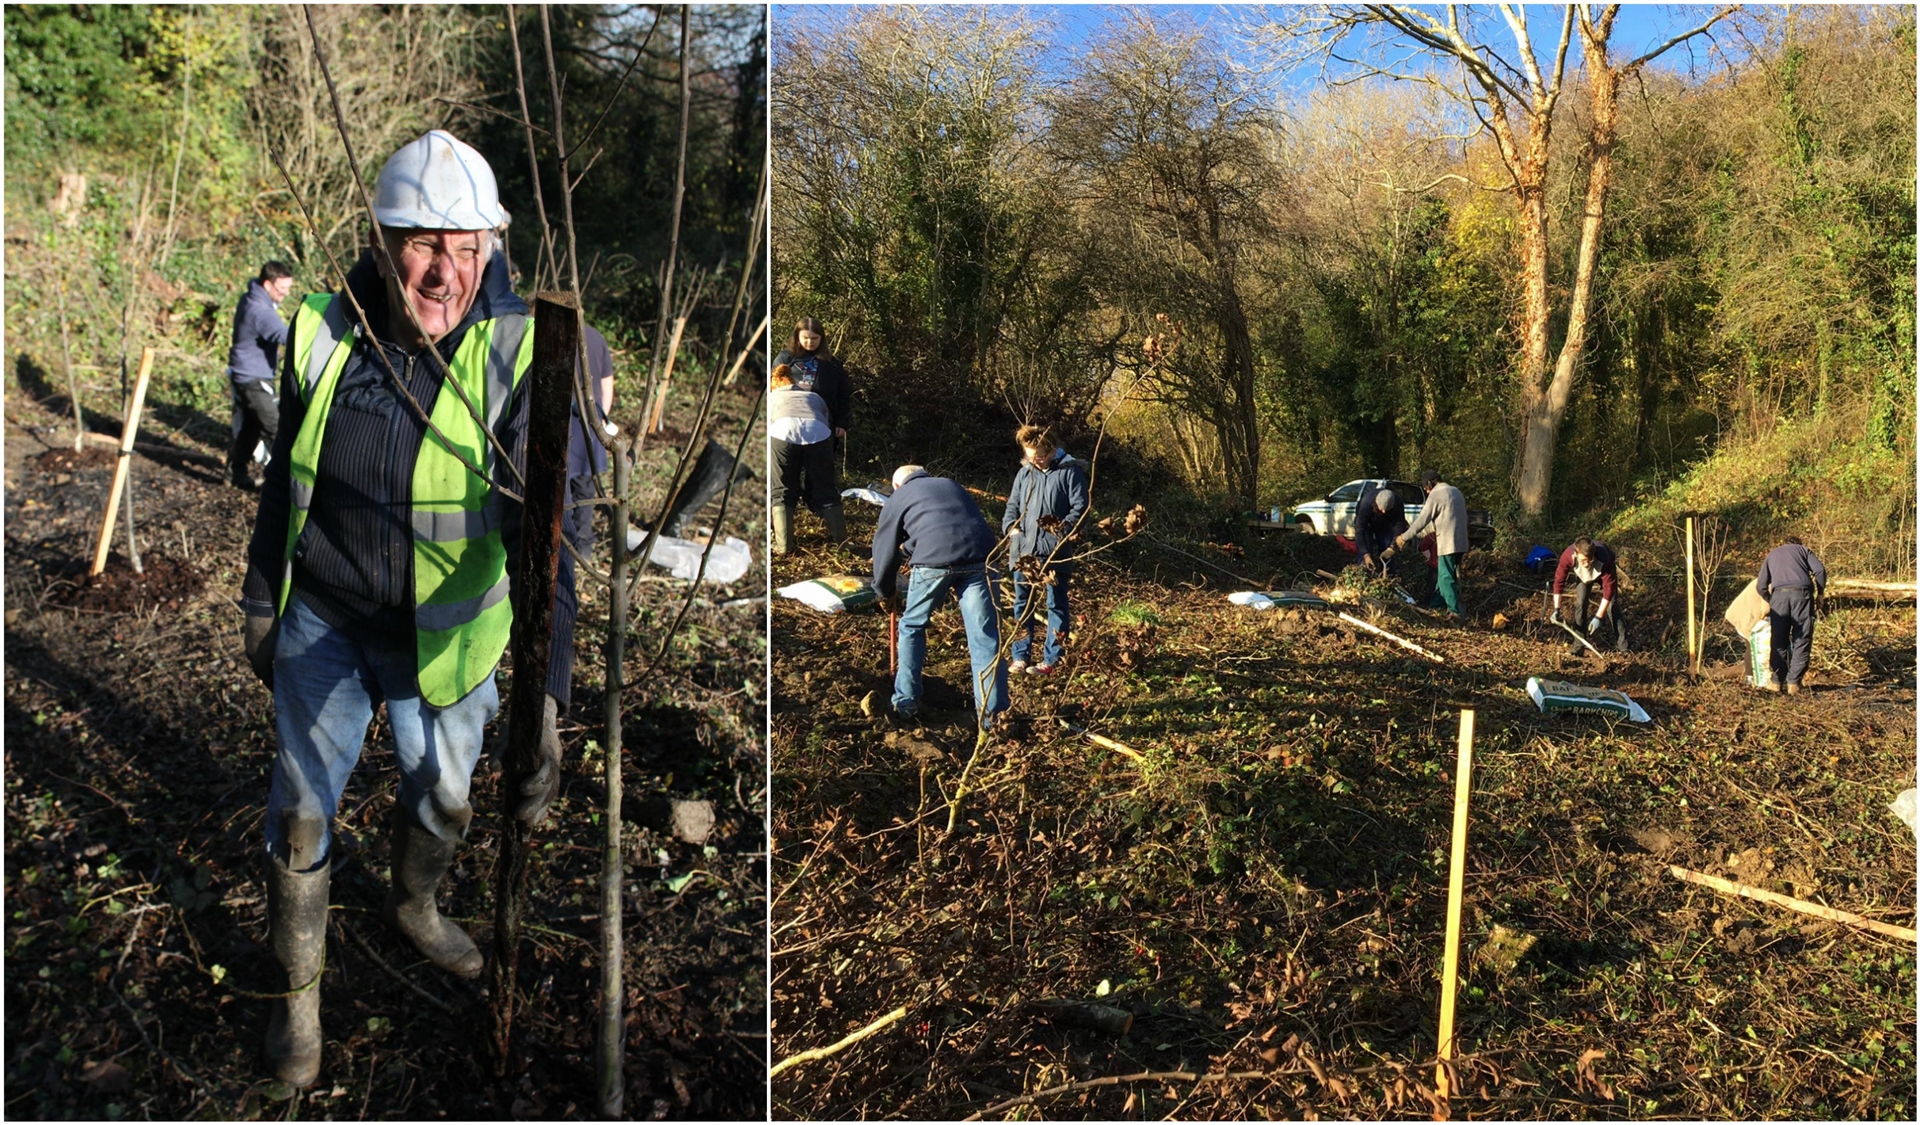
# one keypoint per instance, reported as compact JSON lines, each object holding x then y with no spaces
{"x":438,"y":182}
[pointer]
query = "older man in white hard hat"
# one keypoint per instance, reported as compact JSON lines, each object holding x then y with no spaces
{"x":378,"y":570}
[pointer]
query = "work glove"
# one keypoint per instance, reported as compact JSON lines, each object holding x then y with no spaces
{"x":1387,"y":555}
{"x":538,"y":790}
{"x":261,"y":636}
{"x":1554,"y":618}
{"x":1593,"y":626}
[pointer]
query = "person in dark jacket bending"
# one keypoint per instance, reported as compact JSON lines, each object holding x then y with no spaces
{"x":1377,"y":519}
{"x":258,"y":335}
{"x":1591,"y":564}
{"x":932,"y":522}
{"x":1791,"y":578}
{"x":1046,"y":504}
{"x":379,"y":569}
{"x":815,"y":369}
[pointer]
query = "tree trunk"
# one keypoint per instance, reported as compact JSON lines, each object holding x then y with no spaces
{"x":1545,"y":403}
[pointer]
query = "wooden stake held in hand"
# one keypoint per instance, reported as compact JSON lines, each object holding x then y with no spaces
{"x":124,"y":466}
{"x":1456,"y":888}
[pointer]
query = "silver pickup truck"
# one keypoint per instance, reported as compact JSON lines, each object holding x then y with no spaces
{"x":1333,"y":514}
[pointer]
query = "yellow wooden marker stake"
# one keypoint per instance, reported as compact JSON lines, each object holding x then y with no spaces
{"x":1693,"y":643}
{"x":124,"y":465}
{"x":1456,"y":887}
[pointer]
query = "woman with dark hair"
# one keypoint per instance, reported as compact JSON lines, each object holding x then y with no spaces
{"x":816,"y":370}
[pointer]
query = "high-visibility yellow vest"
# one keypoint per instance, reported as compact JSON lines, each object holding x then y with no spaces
{"x":461,"y":616}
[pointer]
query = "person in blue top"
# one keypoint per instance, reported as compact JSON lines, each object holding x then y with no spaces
{"x":932,"y":523}
{"x":1044,"y":507}
{"x":1790,"y":579}
{"x":252,"y":362}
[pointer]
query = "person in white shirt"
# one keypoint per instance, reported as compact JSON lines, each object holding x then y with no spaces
{"x":802,"y":436}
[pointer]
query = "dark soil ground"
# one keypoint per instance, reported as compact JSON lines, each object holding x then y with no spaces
{"x":1265,"y":894}
{"x":138,"y":751}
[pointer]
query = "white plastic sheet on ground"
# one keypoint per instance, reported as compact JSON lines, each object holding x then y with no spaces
{"x":867,"y":494}
{"x":1907,"y":807}
{"x":1271,"y":598}
{"x":1553,"y":696}
{"x":728,"y":561}
{"x":836,"y":593}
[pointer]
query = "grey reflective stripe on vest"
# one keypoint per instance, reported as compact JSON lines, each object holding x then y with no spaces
{"x":334,"y":327}
{"x":452,"y":527}
{"x":439,"y":618}
{"x":508,"y":332}
{"x":301,"y":492}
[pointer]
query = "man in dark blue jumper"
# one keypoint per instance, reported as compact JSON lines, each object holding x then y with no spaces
{"x":936,"y":526}
{"x":1790,"y":579}
{"x":258,"y":335}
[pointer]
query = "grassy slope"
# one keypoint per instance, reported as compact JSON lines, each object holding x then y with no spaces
{"x":1269,"y":888}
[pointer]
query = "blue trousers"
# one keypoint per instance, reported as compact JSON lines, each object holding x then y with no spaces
{"x":927,"y":588}
{"x":1791,"y":618}
{"x":1025,"y":615}
{"x":325,"y":687}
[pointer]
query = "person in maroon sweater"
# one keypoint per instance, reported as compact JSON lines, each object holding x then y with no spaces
{"x":1591,"y":564}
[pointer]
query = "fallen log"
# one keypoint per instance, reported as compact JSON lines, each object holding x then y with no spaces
{"x":1728,"y":886}
{"x":1103,"y":741}
{"x":873,"y":1028}
{"x":1395,"y":638}
{"x":1835,"y":585}
{"x":1102,"y":1018}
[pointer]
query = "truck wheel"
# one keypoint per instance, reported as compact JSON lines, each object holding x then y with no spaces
{"x":1305,"y":524}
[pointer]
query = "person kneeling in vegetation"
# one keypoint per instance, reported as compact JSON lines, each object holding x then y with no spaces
{"x":797,"y":423}
{"x":380,"y":561}
{"x":936,"y":526}
{"x":1791,"y":578}
{"x":1591,"y":562}
{"x":1045,"y":506}
{"x":1446,"y":513}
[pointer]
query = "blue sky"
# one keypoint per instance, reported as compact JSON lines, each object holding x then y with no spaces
{"x":1639,"y":28}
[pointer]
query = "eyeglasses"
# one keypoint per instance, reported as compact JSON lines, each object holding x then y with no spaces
{"x":422,"y":247}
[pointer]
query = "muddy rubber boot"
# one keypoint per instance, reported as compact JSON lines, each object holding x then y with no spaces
{"x":707,"y":481}
{"x":420,"y":861}
{"x":782,"y":517}
{"x":297,"y":914}
{"x":836,"y":523}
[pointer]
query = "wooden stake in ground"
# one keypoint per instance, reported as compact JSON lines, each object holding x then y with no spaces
{"x":1394,"y":637}
{"x":1456,"y":888}
{"x":741,"y":360}
{"x":1728,"y":886}
{"x":1693,"y":631}
{"x":556,"y":339}
{"x":666,"y":376}
{"x":124,"y":466}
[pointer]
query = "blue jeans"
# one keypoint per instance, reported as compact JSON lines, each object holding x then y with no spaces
{"x":1025,"y":615}
{"x":927,"y":588}
{"x":325,"y":687}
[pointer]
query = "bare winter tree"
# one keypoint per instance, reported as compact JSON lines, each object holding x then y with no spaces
{"x":1515,"y":97}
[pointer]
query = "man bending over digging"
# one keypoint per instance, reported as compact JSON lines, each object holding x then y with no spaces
{"x":932,"y":523}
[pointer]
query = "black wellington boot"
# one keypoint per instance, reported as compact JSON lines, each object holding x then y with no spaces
{"x":707,"y":481}
{"x":420,"y":862}
{"x":297,"y":913}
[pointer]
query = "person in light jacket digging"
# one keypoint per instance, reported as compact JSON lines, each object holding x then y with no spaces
{"x":1790,"y":579}
{"x":1591,"y":563}
{"x":1050,"y":486}
{"x":1445,"y":512}
{"x":932,"y":523}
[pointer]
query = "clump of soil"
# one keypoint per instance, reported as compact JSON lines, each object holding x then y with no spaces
{"x":68,"y":460}
{"x":163,"y":583}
